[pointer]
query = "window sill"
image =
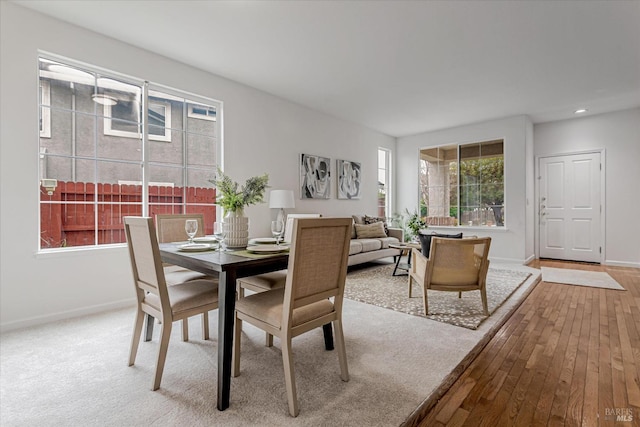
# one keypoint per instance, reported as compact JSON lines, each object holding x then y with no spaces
{"x":78,"y":251}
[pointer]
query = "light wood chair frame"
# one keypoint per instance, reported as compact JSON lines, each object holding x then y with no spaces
{"x":148,"y":277}
{"x":170,"y":228}
{"x":287,"y":330}
{"x":422,"y":269}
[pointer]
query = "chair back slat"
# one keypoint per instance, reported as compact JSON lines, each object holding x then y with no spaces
{"x":317,"y":260}
{"x":171,"y":227}
{"x":146,"y":263}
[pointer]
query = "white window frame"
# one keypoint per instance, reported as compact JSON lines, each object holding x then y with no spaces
{"x":208,"y":116}
{"x":45,"y":110}
{"x":387,"y":176}
{"x":168,"y":94}
{"x":108,"y":129}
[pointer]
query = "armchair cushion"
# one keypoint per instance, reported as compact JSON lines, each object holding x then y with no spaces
{"x":425,"y":240}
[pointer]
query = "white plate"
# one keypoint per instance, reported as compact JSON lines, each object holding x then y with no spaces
{"x":205,"y":239}
{"x":196,"y":247}
{"x":263,"y":240}
{"x":267,"y":249}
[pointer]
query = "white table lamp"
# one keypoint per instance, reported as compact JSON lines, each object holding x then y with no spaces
{"x":281,"y":199}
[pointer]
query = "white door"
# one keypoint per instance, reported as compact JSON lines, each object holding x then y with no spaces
{"x":569,"y":207}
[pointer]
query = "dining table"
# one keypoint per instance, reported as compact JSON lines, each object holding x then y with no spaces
{"x":228,"y":266}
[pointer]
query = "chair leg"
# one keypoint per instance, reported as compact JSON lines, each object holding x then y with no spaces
{"x":426,"y":302}
{"x":289,"y":376}
{"x":459,"y":294}
{"x":135,"y":339}
{"x":205,"y":326}
{"x":235,"y":355}
{"x":342,"y":352}
{"x":410,"y":286}
{"x":483,"y":294}
{"x":165,"y":334}
{"x":268,"y":340}
{"x":185,"y":329}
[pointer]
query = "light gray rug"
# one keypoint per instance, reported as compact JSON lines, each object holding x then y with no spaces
{"x":75,"y":373}
{"x":376,"y":285}
{"x":595,"y":279}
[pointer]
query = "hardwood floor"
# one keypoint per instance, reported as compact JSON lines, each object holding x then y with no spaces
{"x":569,"y":355}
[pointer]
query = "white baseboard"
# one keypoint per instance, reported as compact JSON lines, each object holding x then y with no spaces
{"x":509,"y":260}
{"x":622,"y":263}
{"x":39,"y":320}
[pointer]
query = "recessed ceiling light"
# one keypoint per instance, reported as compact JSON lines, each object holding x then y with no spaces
{"x":580,"y":111}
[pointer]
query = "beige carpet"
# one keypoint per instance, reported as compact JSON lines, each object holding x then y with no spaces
{"x":375,"y":285}
{"x":75,"y":373}
{"x":595,"y":279}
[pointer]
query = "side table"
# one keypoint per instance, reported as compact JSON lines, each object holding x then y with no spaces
{"x":405,"y":250}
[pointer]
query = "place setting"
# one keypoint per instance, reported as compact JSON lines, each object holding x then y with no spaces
{"x":202,"y":243}
{"x":269,"y":245}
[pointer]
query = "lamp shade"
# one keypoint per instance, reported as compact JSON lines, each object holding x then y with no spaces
{"x":281,"y":199}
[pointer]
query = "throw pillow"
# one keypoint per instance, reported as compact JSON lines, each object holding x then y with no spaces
{"x":425,"y":240}
{"x":370,"y":231}
{"x":373,"y":219}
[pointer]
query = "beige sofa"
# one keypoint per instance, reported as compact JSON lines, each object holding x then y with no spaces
{"x":370,"y":249}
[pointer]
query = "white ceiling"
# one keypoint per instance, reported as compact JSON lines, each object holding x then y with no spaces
{"x":400,"y":67}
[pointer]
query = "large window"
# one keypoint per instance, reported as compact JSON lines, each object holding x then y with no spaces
{"x":384,"y":187}
{"x":463,"y":184}
{"x":111,"y":146}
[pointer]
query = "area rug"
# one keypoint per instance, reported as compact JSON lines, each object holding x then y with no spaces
{"x":595,"y":279}
{"x":376,"y":286}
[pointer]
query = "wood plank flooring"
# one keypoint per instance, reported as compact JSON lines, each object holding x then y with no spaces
{"x":568,"y":356}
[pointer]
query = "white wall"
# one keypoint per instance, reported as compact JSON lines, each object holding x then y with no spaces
{"x":618,"y":134}
{"x":514,"y":243}
{"x":262,"y":133}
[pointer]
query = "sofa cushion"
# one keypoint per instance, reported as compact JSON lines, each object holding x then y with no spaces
{"x":358,"y":219}
{"x":355,"y":247}
{"x":386,"y":241}
{"x":373,"y":219}
{"x":369,"y":245}
{"x":353,"y":230}
{"x":370,"y":231}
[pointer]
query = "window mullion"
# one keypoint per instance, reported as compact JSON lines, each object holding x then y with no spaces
{"x":145,"y":148}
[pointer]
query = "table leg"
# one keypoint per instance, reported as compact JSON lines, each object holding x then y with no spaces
{"x":226,"y":308}
{"x":328,"y":336}
{"x":148,"y":327}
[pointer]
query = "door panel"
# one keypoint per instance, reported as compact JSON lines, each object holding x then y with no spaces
{"x":569,"y":207}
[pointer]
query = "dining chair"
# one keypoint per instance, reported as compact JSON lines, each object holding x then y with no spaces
{"x":312,"y":295}
{"x":154,"y":297}
{"x":275,"y":279}
{"x":170,"y":228}
{"x":454,"y":265}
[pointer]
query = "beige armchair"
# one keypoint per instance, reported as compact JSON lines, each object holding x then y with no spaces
{"x":312,"y":296}
{"x":454,"y":265}
{"x":154,"y":297}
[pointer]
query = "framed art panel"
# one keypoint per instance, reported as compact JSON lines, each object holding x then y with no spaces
{"x":348,"y":179}
{"x":315,"y":177}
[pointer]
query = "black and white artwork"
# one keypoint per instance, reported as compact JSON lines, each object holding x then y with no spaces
{"x":315,"y":177}
{"x":348,"y":179}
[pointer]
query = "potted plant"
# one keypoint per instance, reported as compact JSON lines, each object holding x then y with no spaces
{"x":234,"y":198}
{"x":412,"y":224}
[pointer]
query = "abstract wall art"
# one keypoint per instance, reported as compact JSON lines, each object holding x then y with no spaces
{"x":315,"y":177}
{"x":348,"y":179}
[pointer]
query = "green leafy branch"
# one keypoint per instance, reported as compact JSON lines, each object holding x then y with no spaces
{"x":232,"y":197}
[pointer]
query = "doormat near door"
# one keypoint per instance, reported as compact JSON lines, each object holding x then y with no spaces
{"x":376,"y":286}
{"x":595,"y":279}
